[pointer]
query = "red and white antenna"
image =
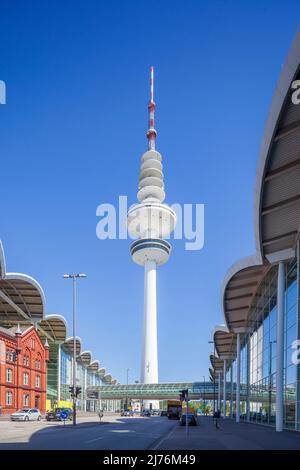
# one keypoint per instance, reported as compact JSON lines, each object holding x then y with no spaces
{"x":151,"y":133}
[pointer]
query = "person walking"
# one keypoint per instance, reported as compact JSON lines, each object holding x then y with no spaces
{"x":217,"y":416}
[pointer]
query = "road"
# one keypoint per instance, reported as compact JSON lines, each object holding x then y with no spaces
{"x":115,"y":433}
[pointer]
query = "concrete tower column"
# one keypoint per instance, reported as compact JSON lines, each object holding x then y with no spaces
{"x":280,"y":347}
{"x":238,"y":377}
{"x":224,"y":389}
{"x":149,"y":373}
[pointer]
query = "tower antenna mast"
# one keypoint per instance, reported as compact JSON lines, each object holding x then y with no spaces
{"x":151,"y":133}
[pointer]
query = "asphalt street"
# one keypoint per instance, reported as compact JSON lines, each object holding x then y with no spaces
{"x":113,"y":433}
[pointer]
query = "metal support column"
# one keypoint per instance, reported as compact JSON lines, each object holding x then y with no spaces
{"x":297,"y":417}
{"x":231,"y":390}
{"x":248,"y":380}
{"x":280,"y":347}
{"x":224,"y":389}
{"x":238,"y":378}
{"x":219,"y":392}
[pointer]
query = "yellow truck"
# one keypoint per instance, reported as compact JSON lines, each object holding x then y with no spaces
{"x":174,"y":409}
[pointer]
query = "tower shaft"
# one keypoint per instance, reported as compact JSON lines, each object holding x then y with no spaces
{"x":149,"y":369}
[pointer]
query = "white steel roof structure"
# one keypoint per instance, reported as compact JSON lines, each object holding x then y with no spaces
{"x":276,"y":199}
{"x":68,"y":345}
{"x":22,"y":298}
{"x":94,"y":366}
{"x":54,"y":327}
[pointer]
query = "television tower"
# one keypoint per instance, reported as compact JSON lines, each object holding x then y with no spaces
{"x":150,"y":221}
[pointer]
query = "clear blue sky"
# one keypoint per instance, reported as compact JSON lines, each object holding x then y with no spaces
{"x":72,"y":134}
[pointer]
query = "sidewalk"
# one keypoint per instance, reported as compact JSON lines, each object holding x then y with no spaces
{"x":230,"y":436}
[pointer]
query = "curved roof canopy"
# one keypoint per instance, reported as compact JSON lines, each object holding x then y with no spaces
{"x":276,"y":198}
{"x":225,"y":343}
{"x":69,"y":344}
{"x":211,"y":374}
{"x":53,"y":327}
{"x":277,"y":193}
{"x":22,"y":299}
{"x":94,"y":366}
{"x":239,"y":288}
{"x":101,"y":372}
{"x":217,"y":364}
{"x":107,"y":378}
{"x":86,"y":357}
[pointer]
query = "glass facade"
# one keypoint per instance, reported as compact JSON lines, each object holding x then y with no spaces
{"x":262,"y":350}
{"x":65,"y":375}
{"x":59,"y":379}
{"x":52,"y":375}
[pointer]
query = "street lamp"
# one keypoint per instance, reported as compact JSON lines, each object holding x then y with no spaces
{"x":74,"y":277}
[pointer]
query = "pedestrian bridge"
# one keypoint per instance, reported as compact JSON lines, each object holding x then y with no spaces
{"x":169,"y":391}
{"x":165,"y":391}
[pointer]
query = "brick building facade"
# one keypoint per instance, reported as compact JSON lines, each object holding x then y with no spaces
{"x":23,"y":367}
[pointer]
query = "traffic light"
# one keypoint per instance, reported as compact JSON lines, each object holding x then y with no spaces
{"x":184,"y":395}
{"x":77,"y":391}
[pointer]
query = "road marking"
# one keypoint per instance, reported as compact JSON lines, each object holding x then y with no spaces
{"x":163,"y":439}
{"x":94,"y":440}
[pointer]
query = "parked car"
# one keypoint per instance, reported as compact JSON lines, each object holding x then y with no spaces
{"x":191,"y":419}
{"x":54,"y":415}
{"x":26,"y":414}
{"x":163,"y":413}
{"x":146,"y":413}
{"x":155,"y":412}
{"x":126,"y":413}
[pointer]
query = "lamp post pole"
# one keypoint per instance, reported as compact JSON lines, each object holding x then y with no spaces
{"x":74,"y":278}
{"x":214,"y":377}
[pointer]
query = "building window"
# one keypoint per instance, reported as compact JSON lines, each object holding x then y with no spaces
{"x":9,"y":375}
{"x":26,"y":378}
{"x":9,"y":398}
{"x":26,"y":399}
{"x":32,"y":343}
{"x":38,"y":364}
{"x":38,"y":381}
{"x":26,"y":360}
{"x":10,"y":355}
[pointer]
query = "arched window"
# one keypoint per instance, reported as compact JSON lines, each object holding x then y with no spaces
{"x":9,"y":398}
{"x":26,"y":358}
{"x":25,"y":378}
{"x":9,"y":375}
{"x":26,"y":399}
{"x":38,"y":362}
{"x":37,"y":381}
